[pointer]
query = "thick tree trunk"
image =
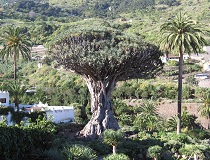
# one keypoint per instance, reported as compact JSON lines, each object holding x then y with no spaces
{"x":179,"y":110}
{"x":101,"y":108}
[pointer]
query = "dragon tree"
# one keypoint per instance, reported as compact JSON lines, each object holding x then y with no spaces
{"x":103,"y":56}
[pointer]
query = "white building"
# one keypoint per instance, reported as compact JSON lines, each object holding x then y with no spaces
{"x":206,"y":66}
{"x":206,"y":48}
{"x":4,"y":98}
{"x":58,"y":113}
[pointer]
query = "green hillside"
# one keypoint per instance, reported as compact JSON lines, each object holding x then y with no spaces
{"x":43,"y":17}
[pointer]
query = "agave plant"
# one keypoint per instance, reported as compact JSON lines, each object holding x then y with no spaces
{"x":116,"y":157}
{"x":79,"y":152}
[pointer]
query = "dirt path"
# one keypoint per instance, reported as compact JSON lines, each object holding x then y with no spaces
{"x":169,"y":109}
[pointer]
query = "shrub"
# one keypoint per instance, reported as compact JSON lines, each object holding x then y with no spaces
{"x":40,"y":154}
{"x":19,"y":141}
{"x":79,"y":152}
{"x":154,"y":152}
{"x":116,"y":157}
{"x":37,"y":114}
{"x":144,"y":135}
{"x":199,"y":134}
{"x":173,"y":145}
{"x":191,"y":81}
{"x":173,"y":63}
{"x":120,"y":107}
{"x":112,"y":138}
{"x":133,"y":148}
{"x":148,"y":116}
{"x":125,"y":119}
{"x":145,"y":94}
{"x":5,"y":110}
{"x":182,"y":137}
{"x":79,"y":111}
{"x":188,"y":121}
{"x":17,"y":117}
{"x":186,"y":92}
{"x":191,"y":149}
{"x":99,"y":147}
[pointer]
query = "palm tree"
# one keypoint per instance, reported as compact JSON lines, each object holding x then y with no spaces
{"x":205,"y":108}
{"x":148,"y":117}
{"x":15,"y":43}
{"x":181,"y":35}
{"x":16,"y":91}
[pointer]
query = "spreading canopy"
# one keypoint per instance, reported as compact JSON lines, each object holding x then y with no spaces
{"x":106,"y":53}
{"x":103,"y":57}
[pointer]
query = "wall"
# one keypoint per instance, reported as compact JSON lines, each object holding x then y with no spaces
{"x":5,"y":94}
{"x":206,"y":48}
{"x":60,"y":113}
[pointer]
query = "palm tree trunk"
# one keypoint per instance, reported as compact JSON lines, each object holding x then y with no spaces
{"x":195,"y":157}
{"x":17,"y":105}
{"x":180,"y":91}
{"x":114,"y":149}
{"x":15,"y":65}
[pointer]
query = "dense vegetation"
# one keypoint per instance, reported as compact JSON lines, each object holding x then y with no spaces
{"x":143,"y":138}
{"x":140,"y":16}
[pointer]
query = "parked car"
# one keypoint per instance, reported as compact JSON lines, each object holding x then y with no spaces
{"x":202,"y":76}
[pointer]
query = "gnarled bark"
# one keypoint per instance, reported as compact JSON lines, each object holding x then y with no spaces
{"x":101,"y":108}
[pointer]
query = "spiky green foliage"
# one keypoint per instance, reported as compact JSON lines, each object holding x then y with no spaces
{"x":116,"y":157}
{"x":79,"y":152}
{"x":154,"y":151}
{"x":103,"y":56}
{"x":205,"y":108}
{"x":148,"y":117}
{"x":188,"y":121}
{"x":191,"y":149}
{"x":104,"y":53}
{"x":112,"y":137}
{"x":16,"y":91}
{"x":181,"y":35}
{"x":14,"y":44}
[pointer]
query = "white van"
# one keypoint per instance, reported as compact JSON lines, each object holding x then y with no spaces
{"x":202,"y":76}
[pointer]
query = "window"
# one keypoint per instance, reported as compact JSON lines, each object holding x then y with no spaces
{"x":3,"y":100}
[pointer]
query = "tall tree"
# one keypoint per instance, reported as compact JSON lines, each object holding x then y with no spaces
{"x":15,"y":43}
{"x":103,"y":56}
{"x":181,"y":35}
